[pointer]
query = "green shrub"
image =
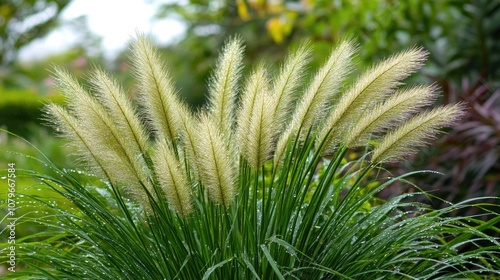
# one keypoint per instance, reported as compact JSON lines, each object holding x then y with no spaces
{"x":21,"y":110}
{"x":256,"y":185}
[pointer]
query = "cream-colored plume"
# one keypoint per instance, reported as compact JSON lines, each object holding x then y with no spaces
{"x":415,"y":133}
{"x":388,"y":114}
{"x":120,"y":107}
{"x":256,"y":123}
{"x":105,"y":129}
{"x":216,"y":163}
{"x":223,"y":87}
{"x":373,"y":86}
{"x":172,"y":178}
{"x":157,"y":92}
{"x":286,"y":84}
{"x":96,"y":141}
{"x":321,"y":92}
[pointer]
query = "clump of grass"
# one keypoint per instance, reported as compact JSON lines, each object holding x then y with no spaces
{"x":241,"y":189}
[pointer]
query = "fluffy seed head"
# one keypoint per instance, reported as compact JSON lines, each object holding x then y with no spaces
{"x":388,"y":114}
{"x":325,"y":85}
{"x":216,"y":162}
{"x":156,"y":91}
{"x":172,"y":178}
{"x":106,"y":131}
{"x":286,"y":84}
{"x":120,"y":107}
{"x":373,"y":86}
{"x":318,"y":96}
{"x":415,"y":133}
{"x":223,"y":87}
{"x":255,"y":128}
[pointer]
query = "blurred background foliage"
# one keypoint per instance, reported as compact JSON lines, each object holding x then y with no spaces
{"x":462,"y":37}
{"x":21,"y":22}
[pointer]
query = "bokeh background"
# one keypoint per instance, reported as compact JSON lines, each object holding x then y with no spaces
{"x":462,"y":37}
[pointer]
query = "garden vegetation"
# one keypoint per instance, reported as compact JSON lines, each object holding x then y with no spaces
{"x":257,"y":184}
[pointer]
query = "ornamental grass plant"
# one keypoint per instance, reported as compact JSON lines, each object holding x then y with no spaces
{"x":256,"y":185}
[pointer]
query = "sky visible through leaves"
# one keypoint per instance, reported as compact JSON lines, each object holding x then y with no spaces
{"x":129,"y":16}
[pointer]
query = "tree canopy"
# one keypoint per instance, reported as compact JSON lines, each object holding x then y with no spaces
{"x":22,"y":21}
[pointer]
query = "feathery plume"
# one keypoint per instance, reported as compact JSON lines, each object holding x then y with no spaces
{"x":373,"y":86}
{"x":102,"y":161}
{"x":414,"y":133}
{"x":216,"y":162}
{"x":286,"y":84}
{"x":122,"y":110}
{"x":105,"y":135}
{"x":169,"y":117}
{"x":388,"y":114}
{"x":157,"y":91}
{"x":322,"y":90}
{"x":172,"y":178}
{"x":325,"y":85}
{"x":91,"y":113}
{"x":79,"y":142}
{"x":223,"y":87}
{"x":107,"y":131}
{"x":256,"y":128}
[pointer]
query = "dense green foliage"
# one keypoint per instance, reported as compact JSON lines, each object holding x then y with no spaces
{"x":21,"y":111}
{"x":305,"y":228}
